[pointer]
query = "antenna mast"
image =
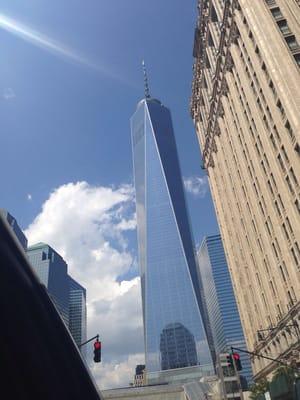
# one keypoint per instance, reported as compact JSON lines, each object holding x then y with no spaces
{"x":146,"y":84}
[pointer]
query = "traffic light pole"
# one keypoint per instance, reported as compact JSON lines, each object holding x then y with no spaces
{"x":237,"y":374}
{"x":94,"y":337}
{"x":253,"y":353}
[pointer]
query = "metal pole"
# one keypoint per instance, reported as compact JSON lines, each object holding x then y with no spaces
{"x":237,"y":375}
{"x":95,"y":337}
{"x":253,"y":353}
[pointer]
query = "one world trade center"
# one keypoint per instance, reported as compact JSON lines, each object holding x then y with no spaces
{"x":176,"y":331}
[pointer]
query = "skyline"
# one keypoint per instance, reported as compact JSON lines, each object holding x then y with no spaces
{"x":60,"y":128}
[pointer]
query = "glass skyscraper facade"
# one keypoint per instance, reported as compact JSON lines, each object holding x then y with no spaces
{"x":221,"y":305}
{"x":67,"y":294}
{"x":173,"y":312}
{"x":53,"y":273}
{"x":77,"y":311}
{"x":14,"y":227}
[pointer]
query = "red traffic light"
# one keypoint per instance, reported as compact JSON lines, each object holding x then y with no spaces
{"x":97,"y":351}
{"x":97,"y":345}
{"x":237,"y":361}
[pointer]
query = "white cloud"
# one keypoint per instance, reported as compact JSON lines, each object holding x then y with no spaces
{"x":196,"y":185}
{"x":8,"y":93}
{"x":29,"y":197}
{"x":117,"y":373}
{"x":87,"y":225}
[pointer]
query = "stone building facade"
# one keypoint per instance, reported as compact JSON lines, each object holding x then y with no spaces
{"x":246,"y":108}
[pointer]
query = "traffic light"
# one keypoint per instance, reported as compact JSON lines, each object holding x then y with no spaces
{"x":97,"y":351}
{"x":229,"y":361}
{"x":237,"y":361}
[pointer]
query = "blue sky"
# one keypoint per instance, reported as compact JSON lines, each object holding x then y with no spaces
{"x":70,"y":78}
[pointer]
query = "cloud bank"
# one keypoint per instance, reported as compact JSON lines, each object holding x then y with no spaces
{"x":88,"y":226}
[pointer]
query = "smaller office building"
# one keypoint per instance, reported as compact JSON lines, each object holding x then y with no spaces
{"x":67,"y":294}
{"x":221,"y":304}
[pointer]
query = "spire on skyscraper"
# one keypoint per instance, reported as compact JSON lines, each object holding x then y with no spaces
{"x":146,"y":84}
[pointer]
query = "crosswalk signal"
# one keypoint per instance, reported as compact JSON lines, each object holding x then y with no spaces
{"x":237,"y":360}
{"x":97,"y":351}
{"x":229,"y":361}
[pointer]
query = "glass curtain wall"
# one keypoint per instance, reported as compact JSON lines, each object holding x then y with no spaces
{"x":174,"y":332}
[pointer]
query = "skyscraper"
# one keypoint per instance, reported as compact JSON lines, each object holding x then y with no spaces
{"x":14,"y":227}
{"x":246,"y":109}
{"x":219,"y":297}
{"x":77,"y":311}
{"x":67,"y":294}
{"x":53,"y":273}
{"x":171,"y":293}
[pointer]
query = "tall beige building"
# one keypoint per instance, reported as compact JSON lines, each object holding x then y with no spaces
{"x":246,"y":109}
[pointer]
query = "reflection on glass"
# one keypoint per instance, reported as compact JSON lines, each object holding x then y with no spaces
{"x":177,"y":347}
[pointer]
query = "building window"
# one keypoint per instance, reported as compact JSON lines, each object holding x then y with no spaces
{"x":289,"y":225}
{"x":263,"y":296}
{"x":276,"y":132}
{"x":297,"y":204}
{"x":297,"y":249}
{"x":272,"y":87}
{"x":282,"y":273}
{"x":275,"y":251}
{"x":285,"y":269}
{"x":283,"y":26}
{"x":261,"y":208}
{"x":272,"y":287}
{"x":266,"y":160}
{"x":269,"y":114}
{"x":258,"y":280}
{"x":266,"y":265}
{"x":268,"y":229}
{"x":289,"y":129}
{"x":291,"y":301}
{"x":276,"y":13}
{"x":280,"y":201}
{"x":284,"y":154}
{"x":270,"y":187}
{"x":277,"y":208}
{"x":277,"y":245}
{"x":266,"y":122}
{"x":294,"y":256}
{"x":279,"y":158}
{"x":281,"y":109}
{"x":273,"y":141}
{"x":294,"y":176}
{"x":285,"y":231}
{"x":258,"y":52}
{"x":288,"y":181}
{"x":292,"y":43}
{"x":297,"y":58}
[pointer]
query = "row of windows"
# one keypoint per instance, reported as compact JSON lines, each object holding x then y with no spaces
{"x":269,"y":81}
{"x":290,"y":180}
{"x":240,"y":249}
{"x":268,"y":222}
{"x":285,"y":31}
{"x":287,"y":34}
